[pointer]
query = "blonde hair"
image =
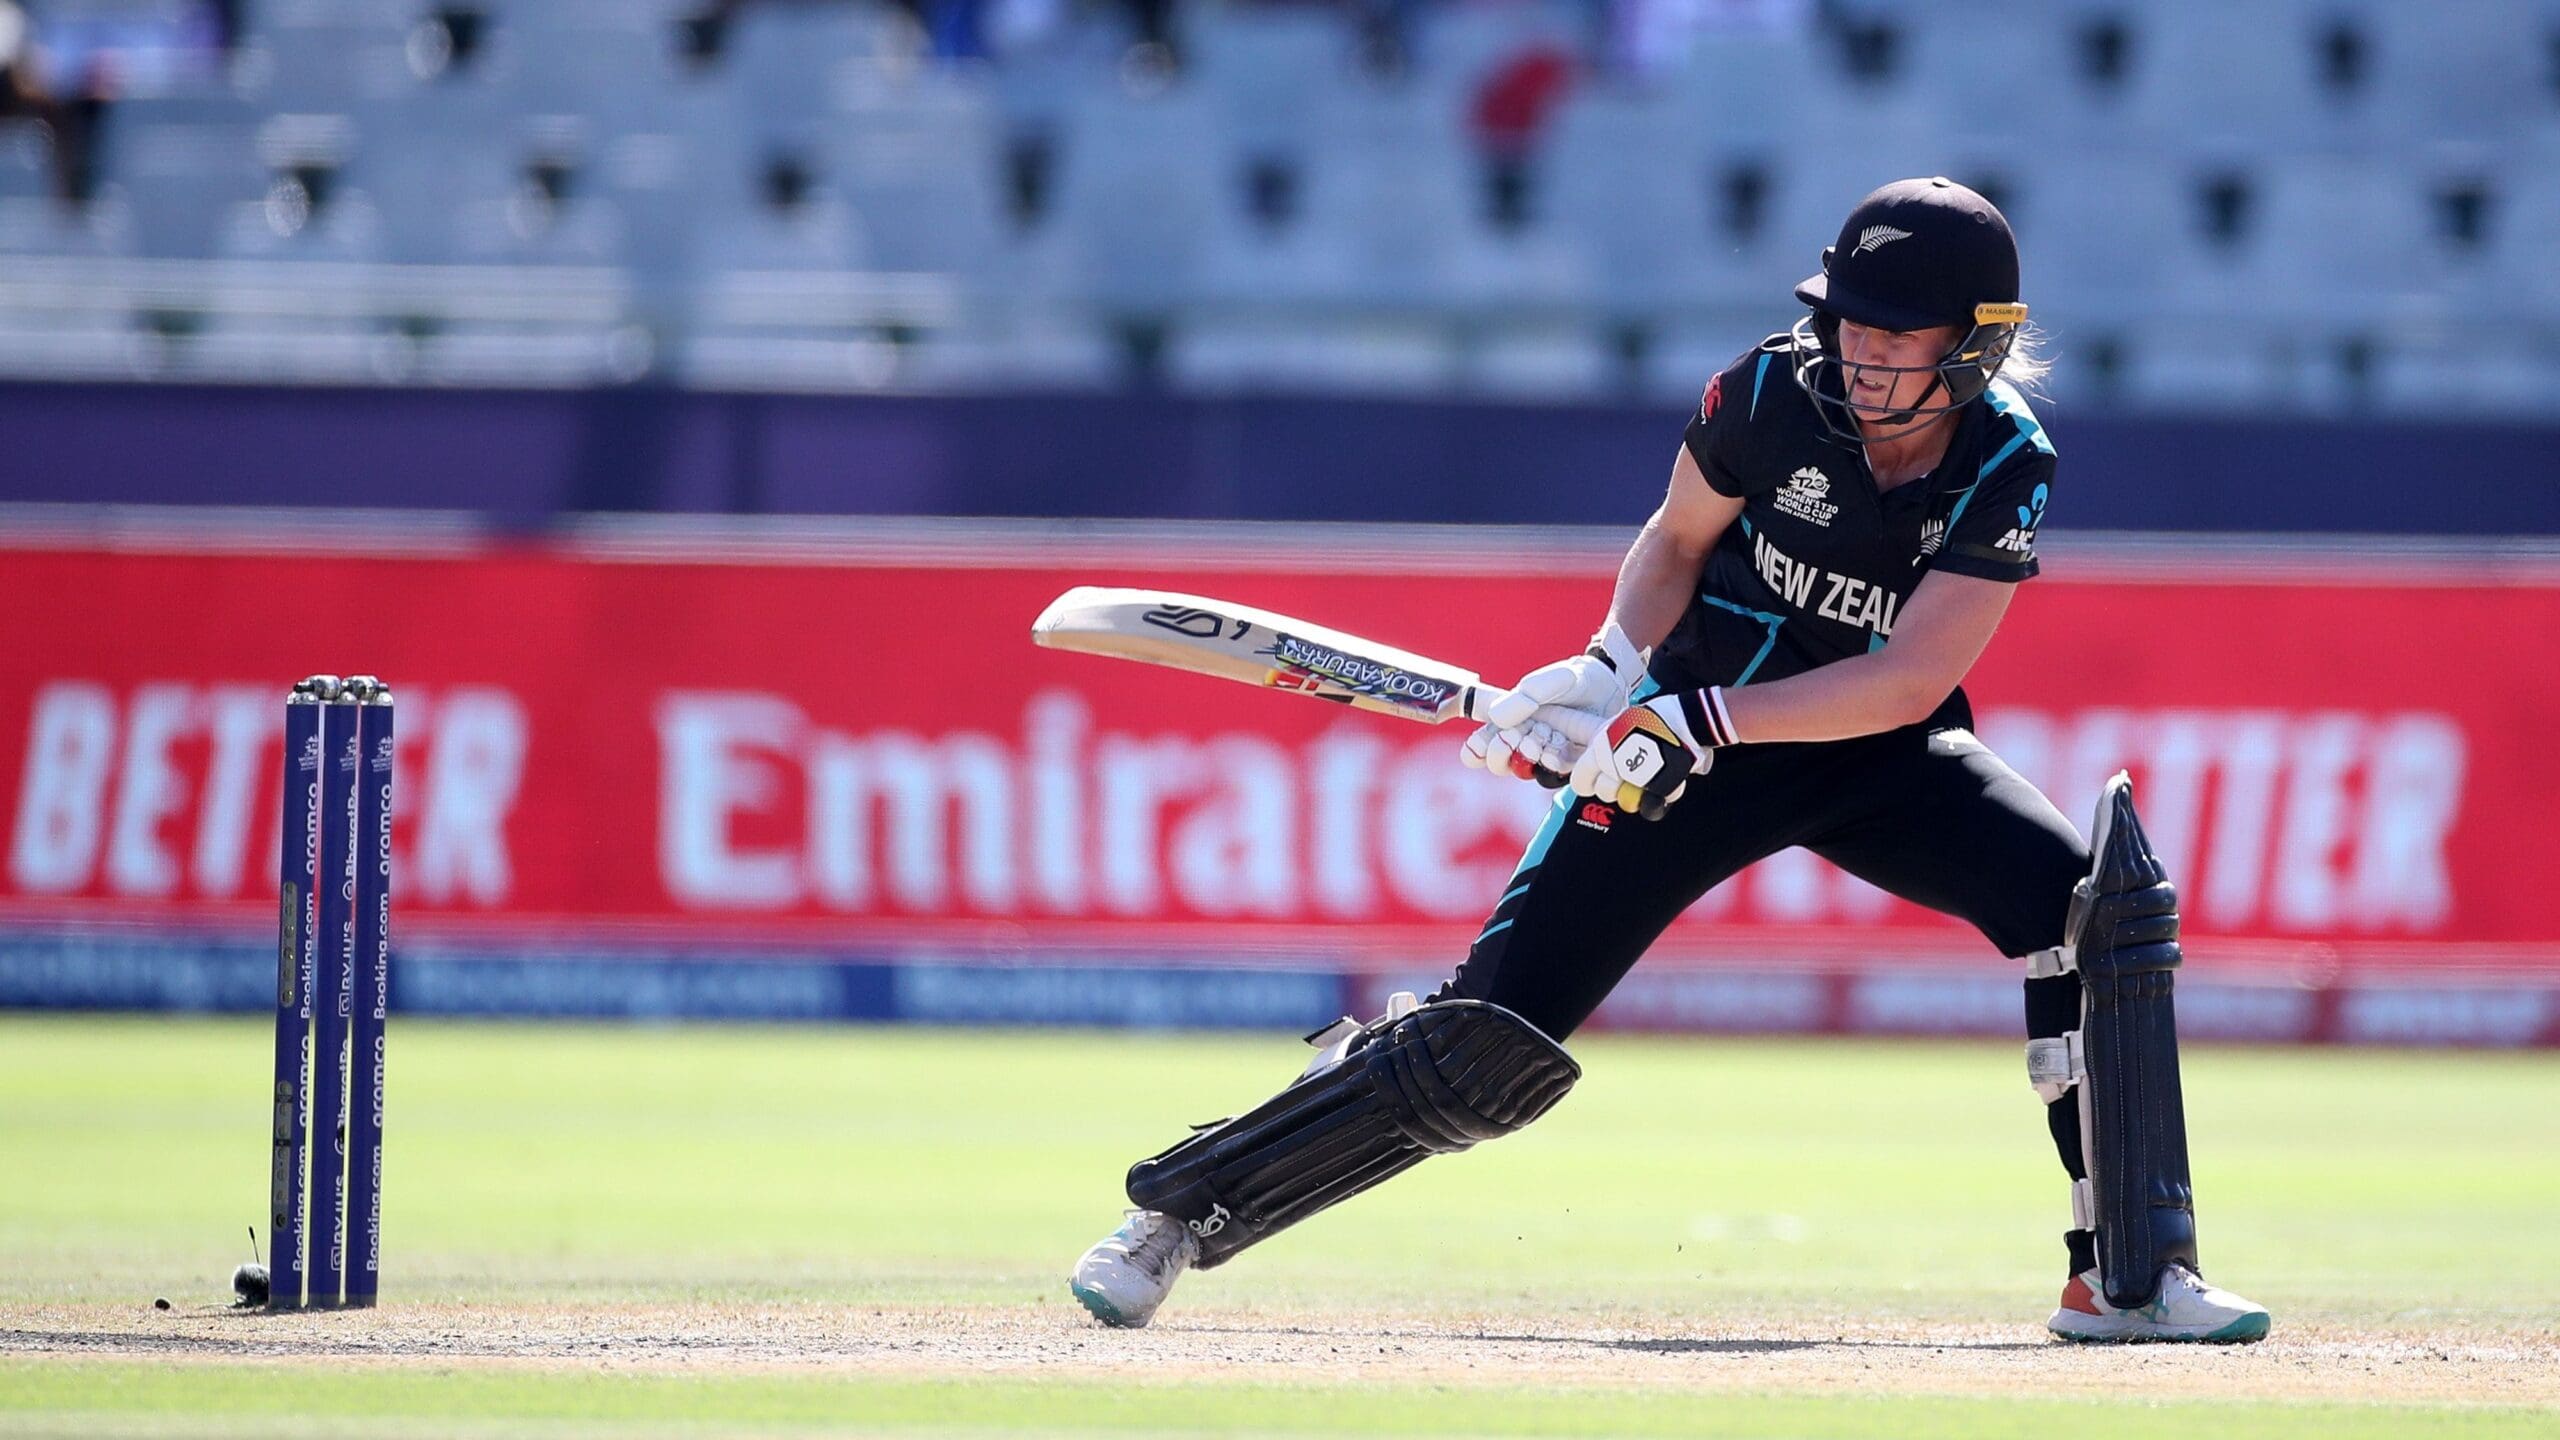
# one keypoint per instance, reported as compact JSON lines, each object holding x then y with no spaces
{"x":2029,"y":361}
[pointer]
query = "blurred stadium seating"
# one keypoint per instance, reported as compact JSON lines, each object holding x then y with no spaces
{"x":2227,"y":205}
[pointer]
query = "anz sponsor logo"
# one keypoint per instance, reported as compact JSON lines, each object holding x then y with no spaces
{"x":2021,"y":537}
{"x":1803,"y":496}
{"x":1826,"y":593}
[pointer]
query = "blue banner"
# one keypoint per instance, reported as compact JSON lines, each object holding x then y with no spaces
{"x":82,"y":969}
{"x":524,"y":457}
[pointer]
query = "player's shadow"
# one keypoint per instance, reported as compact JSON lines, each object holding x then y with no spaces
{"x":1670,"y":1345}
{"x":1731,"y":1346}
{"x":244,"y":1342}
{"x":105,"y":1342}
{"x":1662,"y":1345}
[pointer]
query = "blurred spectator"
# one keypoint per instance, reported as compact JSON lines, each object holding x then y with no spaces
{"x":70,"y":126}
{"x":1510,"y":111}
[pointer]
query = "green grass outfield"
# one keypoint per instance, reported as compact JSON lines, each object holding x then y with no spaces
{"x":1693,"y":1183}
{"x":270,"y":1402}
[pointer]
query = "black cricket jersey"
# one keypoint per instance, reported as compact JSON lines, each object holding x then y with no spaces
{"x":1820,"y":564}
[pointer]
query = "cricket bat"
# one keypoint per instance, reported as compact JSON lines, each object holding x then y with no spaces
{"x":1238,"y":642}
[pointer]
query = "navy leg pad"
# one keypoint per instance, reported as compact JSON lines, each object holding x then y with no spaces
{"x":2124,"y":933}
{"x":1435,"y":1080}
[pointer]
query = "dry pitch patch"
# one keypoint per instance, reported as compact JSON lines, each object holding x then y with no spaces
{"x":2299,"y":1363}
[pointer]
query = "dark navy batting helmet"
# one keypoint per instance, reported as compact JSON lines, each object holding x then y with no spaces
{"x":1914,"y":255}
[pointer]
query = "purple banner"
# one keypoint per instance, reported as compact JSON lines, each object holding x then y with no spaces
{"x":522,"y":457}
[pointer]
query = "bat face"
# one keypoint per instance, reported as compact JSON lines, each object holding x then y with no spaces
{"x":1238,"y":642}
{"x":1299,"y":663}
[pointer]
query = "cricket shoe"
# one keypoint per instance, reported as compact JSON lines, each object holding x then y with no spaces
{"x":1124,"y":1278}
{"x":2185,"y":1309}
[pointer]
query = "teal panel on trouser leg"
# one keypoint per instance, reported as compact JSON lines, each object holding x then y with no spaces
{"x":1646,"y":689}
{"x":1545,"y":837}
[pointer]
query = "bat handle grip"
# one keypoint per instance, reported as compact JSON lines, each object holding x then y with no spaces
{"x":1481,"y":699}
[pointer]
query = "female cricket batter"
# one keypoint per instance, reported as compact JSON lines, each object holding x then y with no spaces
{"x":1850,"y":512}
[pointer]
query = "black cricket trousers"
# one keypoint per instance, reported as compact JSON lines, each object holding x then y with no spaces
{"x":1925,"y":812}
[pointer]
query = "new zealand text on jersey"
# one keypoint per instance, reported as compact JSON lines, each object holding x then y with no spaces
{"x":1826,"y":593}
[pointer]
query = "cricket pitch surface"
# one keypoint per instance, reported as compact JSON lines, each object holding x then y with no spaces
{"x":628,"y":1233}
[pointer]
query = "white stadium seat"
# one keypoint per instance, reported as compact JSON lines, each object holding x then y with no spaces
{"x":1268,"y":188}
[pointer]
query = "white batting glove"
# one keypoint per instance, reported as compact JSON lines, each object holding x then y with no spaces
{"x":1536,"y":731}
{"x":1541,"y":750}
{"x":1646,"y":757}
{"x":1597,"y":681}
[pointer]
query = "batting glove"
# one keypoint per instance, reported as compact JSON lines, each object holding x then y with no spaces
{"x":1535,"y":731}
{"x":1647,"y":755}
{"x":1539,"y":750}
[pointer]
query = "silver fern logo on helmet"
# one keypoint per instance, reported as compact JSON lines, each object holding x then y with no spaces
{"x":1876,"y":237}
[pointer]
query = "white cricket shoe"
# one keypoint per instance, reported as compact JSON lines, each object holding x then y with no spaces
{"x":2185,"y":1309}
{"x":1125,"y":1277}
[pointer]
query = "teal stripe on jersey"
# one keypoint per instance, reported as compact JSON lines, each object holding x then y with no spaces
{"x":2003,"y":453}
{"x":1767,"y":645}
{"x":2006,"y":401}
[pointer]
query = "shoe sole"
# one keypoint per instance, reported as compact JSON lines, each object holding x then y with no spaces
{"x":2241,"y":1331}
{"x":1100,"y":1307}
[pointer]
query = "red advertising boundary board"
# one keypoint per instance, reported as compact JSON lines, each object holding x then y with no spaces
{"x":859,"y":750}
